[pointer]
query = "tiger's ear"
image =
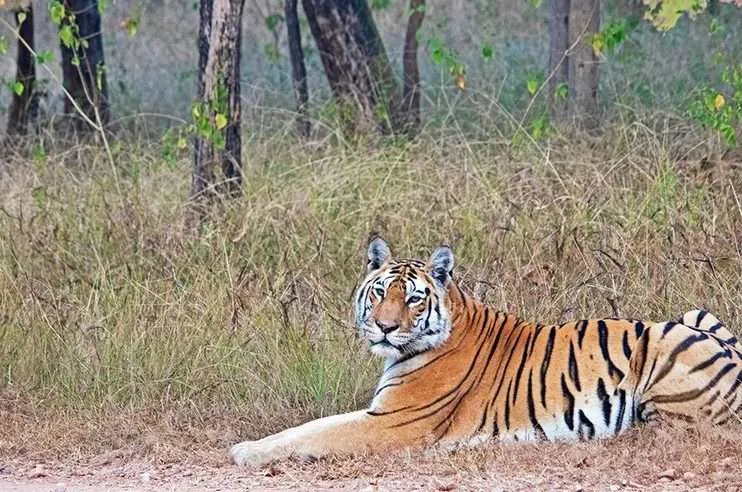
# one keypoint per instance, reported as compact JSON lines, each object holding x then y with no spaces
{"x":378,"y":254}
{"x":441,"y":265}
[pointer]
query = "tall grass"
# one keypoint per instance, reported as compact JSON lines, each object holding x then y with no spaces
{"x":113,"y":303}
{"x":111,"y":299}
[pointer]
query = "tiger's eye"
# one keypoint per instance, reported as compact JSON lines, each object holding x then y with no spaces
{"x":414,"y":300}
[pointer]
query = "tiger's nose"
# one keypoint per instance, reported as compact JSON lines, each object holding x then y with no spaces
{"x":387,"y":327}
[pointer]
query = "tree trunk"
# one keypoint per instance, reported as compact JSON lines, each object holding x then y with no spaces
{"x":298,"y":69}
{"x":558,"y":61}
{"x":21,"y":105}
{"x":218,"y":108}
{"x":411,"y":92}
{"x":584,"y":22}
{"x":83,"y":64}
{"x":355,"y":63}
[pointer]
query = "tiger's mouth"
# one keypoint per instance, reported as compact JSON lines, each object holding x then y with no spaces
{"x":384,"y":342}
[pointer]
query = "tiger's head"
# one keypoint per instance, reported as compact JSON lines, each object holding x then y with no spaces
{"x":401,"y":306}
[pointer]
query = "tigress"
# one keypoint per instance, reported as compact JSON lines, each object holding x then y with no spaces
{"x":458,"y":372}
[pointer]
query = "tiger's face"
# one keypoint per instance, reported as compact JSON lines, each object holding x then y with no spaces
{"x":401,"y":306}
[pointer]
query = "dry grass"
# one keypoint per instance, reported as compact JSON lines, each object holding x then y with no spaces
{"x":123,"y":328}
{"x":129,"y":336}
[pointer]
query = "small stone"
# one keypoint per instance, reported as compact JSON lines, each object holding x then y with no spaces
{"x":689,"y":476}
{"x":37,"y":472}
{"x":145,"y":477}
{"x":624,"y":483}
{"x":669,"y":474}
{"x":272,"y":471}
{"x":577,"y":488}
{"x":614,"y":488}
{"x":726,"y":462}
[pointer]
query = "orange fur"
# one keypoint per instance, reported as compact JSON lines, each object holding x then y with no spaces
{"x":459,"y":371}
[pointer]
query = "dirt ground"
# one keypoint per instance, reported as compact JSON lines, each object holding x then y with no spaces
{"x":658,"y":458}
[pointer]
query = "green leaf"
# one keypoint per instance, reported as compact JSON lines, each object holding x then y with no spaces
{"x":39,"y":196}
{"x":380,"y":4}
{"x":131,"y":24}
{"x":102,"y":6}
{"x":43,"y":57}
{"x":561,"y":91}
{"x":221,"y":121}
{"x":3,"y":45}
{"x":20,"y":17}
{"x":56,"y":11}
{"x":271,"y":52}
{"x":664,"y":14}
{"x":273,"y":21}
{"x":533,"y":82}
{"x":487,"y":52}
{"x":67,"y":36}
{"x":18,"y":87}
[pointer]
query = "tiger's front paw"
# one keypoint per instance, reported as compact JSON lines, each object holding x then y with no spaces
{"x":252,"y":453}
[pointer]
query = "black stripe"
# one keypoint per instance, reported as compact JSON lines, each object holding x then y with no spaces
{"x":522,"y":365}
{"x":718,"y":326}
{"x":483,"y":422}
{"x":734,"y":386}
{"x":378,"y":413}
{"x":621,"y":410}
{"x":710,"y":361}
{"x":546,"y":362}
{"x":680,"y":348}
{"x":668,"y":328}
{"x":581,"y":330}
{"x":699,"y":318}
{"x":626,"y":346}
{"x":693,"y":394}
{"x":603,"y":396}
{"x":584,"y":421}
{"x":507,"y":407}
{"x":388,"y":385}
{"x":502,"y":370}
{"x":638,"y":328}
{"x":569,"y":402}
{"x":603,"y":341}
{"x":574,"y":373}
{"x":532,"y":409}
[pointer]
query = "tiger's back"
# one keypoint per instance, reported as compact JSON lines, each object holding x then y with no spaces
{"x":500,"y":376}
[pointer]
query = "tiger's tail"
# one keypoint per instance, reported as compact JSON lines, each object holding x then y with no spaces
{"x":706,"y":322}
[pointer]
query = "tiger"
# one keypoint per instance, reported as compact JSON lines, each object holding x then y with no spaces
{"x":458,"y":372}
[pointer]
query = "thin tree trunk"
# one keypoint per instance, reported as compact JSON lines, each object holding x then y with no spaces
{"x":558,"y":61}
{"x":298,"y":69}
{"x":411,"y":92}
{"x":83,"y":67}
{"x":21,"y":105}
{"x":355,"y":63}
{"x":584,"y":22}
{"x":219,"y":99}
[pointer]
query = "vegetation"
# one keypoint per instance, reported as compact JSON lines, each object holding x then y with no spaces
{"x":111,"y":303}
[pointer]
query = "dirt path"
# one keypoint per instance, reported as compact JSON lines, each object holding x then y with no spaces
{"x":655,"y":459}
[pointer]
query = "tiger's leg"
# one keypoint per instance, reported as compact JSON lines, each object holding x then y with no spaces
{"x":683,"y":372}
{"x":348,"y":433}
